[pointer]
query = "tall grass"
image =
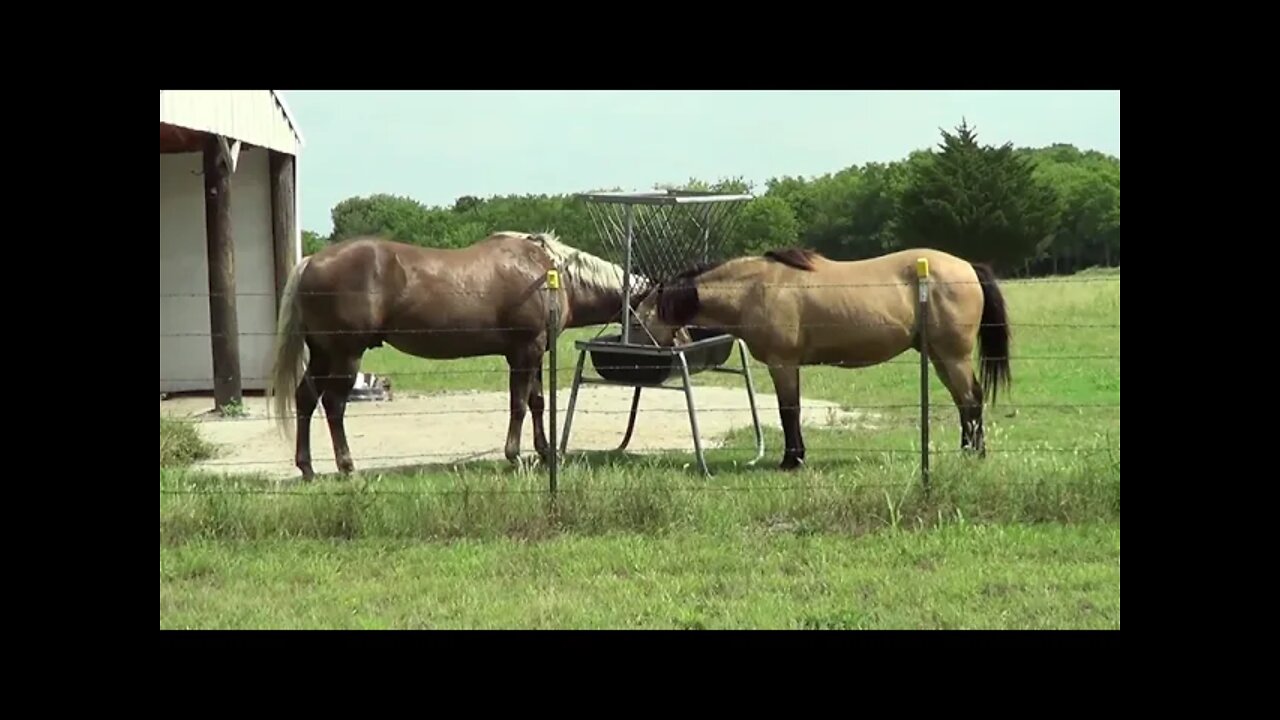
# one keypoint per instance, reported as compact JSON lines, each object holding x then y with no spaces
{"x":181,"y":445}
{"x":659,"y":496}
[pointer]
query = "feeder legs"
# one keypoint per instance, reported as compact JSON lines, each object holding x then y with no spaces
{"x":573,"y":400}
{"x":654,"y":376}
{"x":751,"y":397}
{"x":693,"y":413}
{"x":631,"y":422}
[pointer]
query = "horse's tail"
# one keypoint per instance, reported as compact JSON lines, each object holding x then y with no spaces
{"x":993,"y":334}
{"x":290,"y":344}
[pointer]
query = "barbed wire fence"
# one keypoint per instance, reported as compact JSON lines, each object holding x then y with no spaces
{"x":926,"y":418}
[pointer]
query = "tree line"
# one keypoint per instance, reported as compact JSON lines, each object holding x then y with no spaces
{"x":1027,"y":211}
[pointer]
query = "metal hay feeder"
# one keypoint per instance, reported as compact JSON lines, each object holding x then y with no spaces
{"x":659,"y":234}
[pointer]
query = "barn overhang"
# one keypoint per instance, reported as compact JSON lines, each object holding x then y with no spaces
{"x":257,"y":117}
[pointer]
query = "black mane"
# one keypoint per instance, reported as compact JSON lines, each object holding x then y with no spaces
{"x":796,"y":257}
{"x":678,"y":297}
{"x":696,"y":270}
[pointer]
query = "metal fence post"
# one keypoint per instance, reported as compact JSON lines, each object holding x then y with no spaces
{"x":922,"y":313}
{"x":553,"y":339}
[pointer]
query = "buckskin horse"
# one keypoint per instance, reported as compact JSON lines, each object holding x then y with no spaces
{"x":437,"y":303}
{"x":794,"y":307}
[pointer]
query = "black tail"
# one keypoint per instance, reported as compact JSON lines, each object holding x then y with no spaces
{"x":993,"y":334}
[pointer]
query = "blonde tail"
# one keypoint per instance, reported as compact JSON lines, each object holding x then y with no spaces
{"x":289,"y":349}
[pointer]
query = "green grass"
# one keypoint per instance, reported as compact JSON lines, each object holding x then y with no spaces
{"x":1028,"y":537}
{"x":181,"y":445}
{"x":963,"y":576}
{"x":655,"y":495}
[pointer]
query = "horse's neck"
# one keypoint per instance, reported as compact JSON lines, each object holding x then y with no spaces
{"x":592,"y":305}
{"x":721,"y":298}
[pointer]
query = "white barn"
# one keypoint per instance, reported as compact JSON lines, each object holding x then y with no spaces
{"x":228,"y":228}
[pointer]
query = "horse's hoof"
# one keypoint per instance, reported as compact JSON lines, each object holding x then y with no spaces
{"x":791,"y":463}
{"x":307,"y":473}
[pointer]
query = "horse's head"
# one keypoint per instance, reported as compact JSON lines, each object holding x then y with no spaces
{"x":668,"y":308}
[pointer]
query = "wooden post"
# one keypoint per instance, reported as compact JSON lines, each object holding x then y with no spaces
{"x":224,"y":327}
{"x":284,"y":223}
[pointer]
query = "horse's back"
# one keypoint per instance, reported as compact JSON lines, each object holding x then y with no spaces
{"x":895,"y":275}
{"x":372,"y":258}
{"x":956,"y":297}
{"x":354,"y":262}
{"x":901,"y":264}
{"x":473,"y":300}
{"x":350,"y":285}
{"x":864,"y":311}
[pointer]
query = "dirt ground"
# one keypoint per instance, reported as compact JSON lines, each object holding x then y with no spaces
{"x":418,"y":429}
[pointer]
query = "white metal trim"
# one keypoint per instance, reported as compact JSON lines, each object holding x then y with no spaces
{"x":297,"y":210}
{"x":231,"y":151}
{"x":288,"y":115}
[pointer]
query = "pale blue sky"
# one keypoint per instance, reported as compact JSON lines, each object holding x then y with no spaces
{"x":435,"y":146}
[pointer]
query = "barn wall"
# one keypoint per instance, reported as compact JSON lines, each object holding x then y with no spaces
{"x":186,"y":362}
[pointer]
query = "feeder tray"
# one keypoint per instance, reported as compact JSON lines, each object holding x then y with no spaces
{"x":627,"y":367}
{"x":658,"y":235}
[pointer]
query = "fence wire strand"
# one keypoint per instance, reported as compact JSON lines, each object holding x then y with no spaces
{"x":707,"y":285}
{"x":725,"y":327}
{"x":482,"y":454}
{"x":943,"y":408}
{"x":359,"y":490}
{"x":571,"y":368}
{"x":213,"y":419}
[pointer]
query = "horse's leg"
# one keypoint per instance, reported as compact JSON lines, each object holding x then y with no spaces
{"x":335,"y":390}
{"x":958,"y":376}
{"x":306,"y":398}
{"x":522,"y":364}
{"x":786,"y":382}
{"x":537,"y":406}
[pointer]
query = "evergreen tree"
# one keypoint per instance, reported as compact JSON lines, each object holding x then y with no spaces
{"x":979,"y":202}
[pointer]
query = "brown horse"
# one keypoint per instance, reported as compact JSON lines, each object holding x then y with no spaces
{"x":486,"y":299}
{"x":794,"y":307}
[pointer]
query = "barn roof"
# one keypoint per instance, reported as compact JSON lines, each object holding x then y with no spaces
{"x":257,"y":117}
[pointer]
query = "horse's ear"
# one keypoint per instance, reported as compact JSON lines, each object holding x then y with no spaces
{"x":678,"y":302}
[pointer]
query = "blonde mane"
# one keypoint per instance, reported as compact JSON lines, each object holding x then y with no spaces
{"x":581,"y":266}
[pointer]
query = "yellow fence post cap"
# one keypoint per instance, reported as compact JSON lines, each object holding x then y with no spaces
{"x":553,"y":279}
{"x":922,"y":267}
